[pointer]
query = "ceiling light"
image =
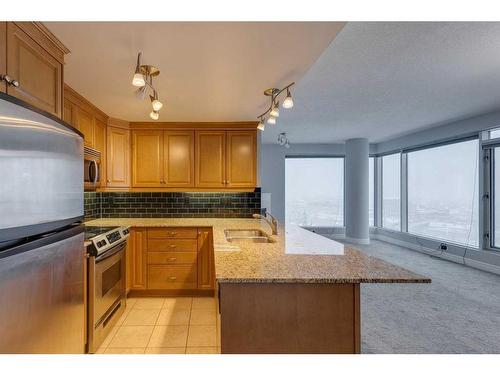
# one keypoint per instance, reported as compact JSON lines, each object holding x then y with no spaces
{"x":271,"y":120}
{"x":275,"y":111}
{"x":138,"y":79}
{"x":143,"y":79}
{"x":283,"y":140}
{"x":288,"y":102}
{"x":154,"y":115}
{"x":261,"y":126}
{"x":155,"y":102}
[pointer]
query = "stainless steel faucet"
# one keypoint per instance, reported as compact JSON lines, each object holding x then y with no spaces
{"x":273,"y":223}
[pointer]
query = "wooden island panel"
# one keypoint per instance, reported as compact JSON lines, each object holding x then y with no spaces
{"x":289,"y":318}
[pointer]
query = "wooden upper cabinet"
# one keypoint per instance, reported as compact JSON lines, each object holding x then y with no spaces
{"x":241,"y":156}
{"x":85,"y":123}
{"x":38,"y":72}
{"x":100,"y":145}
{"x":100,"y":136}
{"x":206,"y":267}
{"x":3,"y":54}
{"x":210,"y":159}
{"x":118,"y":157}
{"x":178,"y":166}
{"x":69,"y":113}
{"x":147,"y":158}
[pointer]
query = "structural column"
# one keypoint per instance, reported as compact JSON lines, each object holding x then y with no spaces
{"x":356,"y":191}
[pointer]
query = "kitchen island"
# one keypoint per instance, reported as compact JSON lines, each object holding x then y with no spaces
{"x":298,"y":293}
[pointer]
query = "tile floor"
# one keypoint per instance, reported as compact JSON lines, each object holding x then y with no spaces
{"x":181,"y":325}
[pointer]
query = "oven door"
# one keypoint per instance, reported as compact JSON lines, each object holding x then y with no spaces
{"x":109,"y":286}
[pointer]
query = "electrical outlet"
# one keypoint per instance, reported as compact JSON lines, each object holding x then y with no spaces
{"x":443,"y":246}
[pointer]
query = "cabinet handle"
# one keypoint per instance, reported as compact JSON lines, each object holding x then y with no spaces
{"x":172,"y":259}
{"x":172,"y":246}
{"x":172,"y":233}
{"x":172,"y":278}
{"x":8,"y":80}
{"x":109,"y":181}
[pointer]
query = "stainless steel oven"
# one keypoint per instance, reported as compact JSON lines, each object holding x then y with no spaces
{"x":91,"y":168}
{"x":106,"y":284}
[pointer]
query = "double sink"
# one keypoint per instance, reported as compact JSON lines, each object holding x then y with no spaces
{"x":247,"y":235}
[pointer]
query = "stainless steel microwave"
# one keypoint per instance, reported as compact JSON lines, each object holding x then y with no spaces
{"x":91,"y":168}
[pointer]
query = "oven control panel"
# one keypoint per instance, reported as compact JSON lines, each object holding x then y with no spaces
{"x":113,"y":237}
{"x":107,"y":240}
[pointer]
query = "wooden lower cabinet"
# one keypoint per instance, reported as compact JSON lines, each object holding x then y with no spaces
{"x":206,"y":266}
{"x":172,"y":277}
{"x":137,"y":259}
{"x":175,"y":260}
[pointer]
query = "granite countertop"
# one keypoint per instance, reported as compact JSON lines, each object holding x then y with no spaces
{"x":295,"y":255}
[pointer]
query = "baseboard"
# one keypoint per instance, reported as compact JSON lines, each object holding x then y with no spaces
{"x":439,"y":254}
{"x":359,"y":241}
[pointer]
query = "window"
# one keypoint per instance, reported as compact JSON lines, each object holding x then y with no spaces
{"x":443,"y":192}
{"x":496,"y":197}
{"x":391,"y":191}
{"x":314,"y":191}
{"x":371,"y":191}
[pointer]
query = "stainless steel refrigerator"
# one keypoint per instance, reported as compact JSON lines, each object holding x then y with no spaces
{"x":41,"y":232}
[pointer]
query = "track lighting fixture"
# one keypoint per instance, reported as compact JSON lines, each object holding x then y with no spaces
{"x":273,"y":111}
{"x":143,"y":79}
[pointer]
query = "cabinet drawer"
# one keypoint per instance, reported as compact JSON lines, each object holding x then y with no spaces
{"x":172,"y":245}
{"x":169,"y":257}
{"x":172,"y":232}
{"x":172,"y":277}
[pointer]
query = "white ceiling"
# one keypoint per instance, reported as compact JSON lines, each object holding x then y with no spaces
{"x":381,"y":80}
{"x":210,"y":71}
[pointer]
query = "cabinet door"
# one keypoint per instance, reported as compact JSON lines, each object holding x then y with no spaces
{"x":178,"y":158}
{"x":118,"y":157}
{"x":147,"y":158}
{"x":100,"y":145}
{"x":206,"y":267}
{"x":39,"y":74}
{"x":241,"y":159}
{"x":69,"y":113}
{"x":85,"y":123}
{"x":137,"y":259}
{"x":3,"y":53}
{"x":210,"y":159}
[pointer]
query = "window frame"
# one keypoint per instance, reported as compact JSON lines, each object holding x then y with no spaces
{"x":343,"y":178}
